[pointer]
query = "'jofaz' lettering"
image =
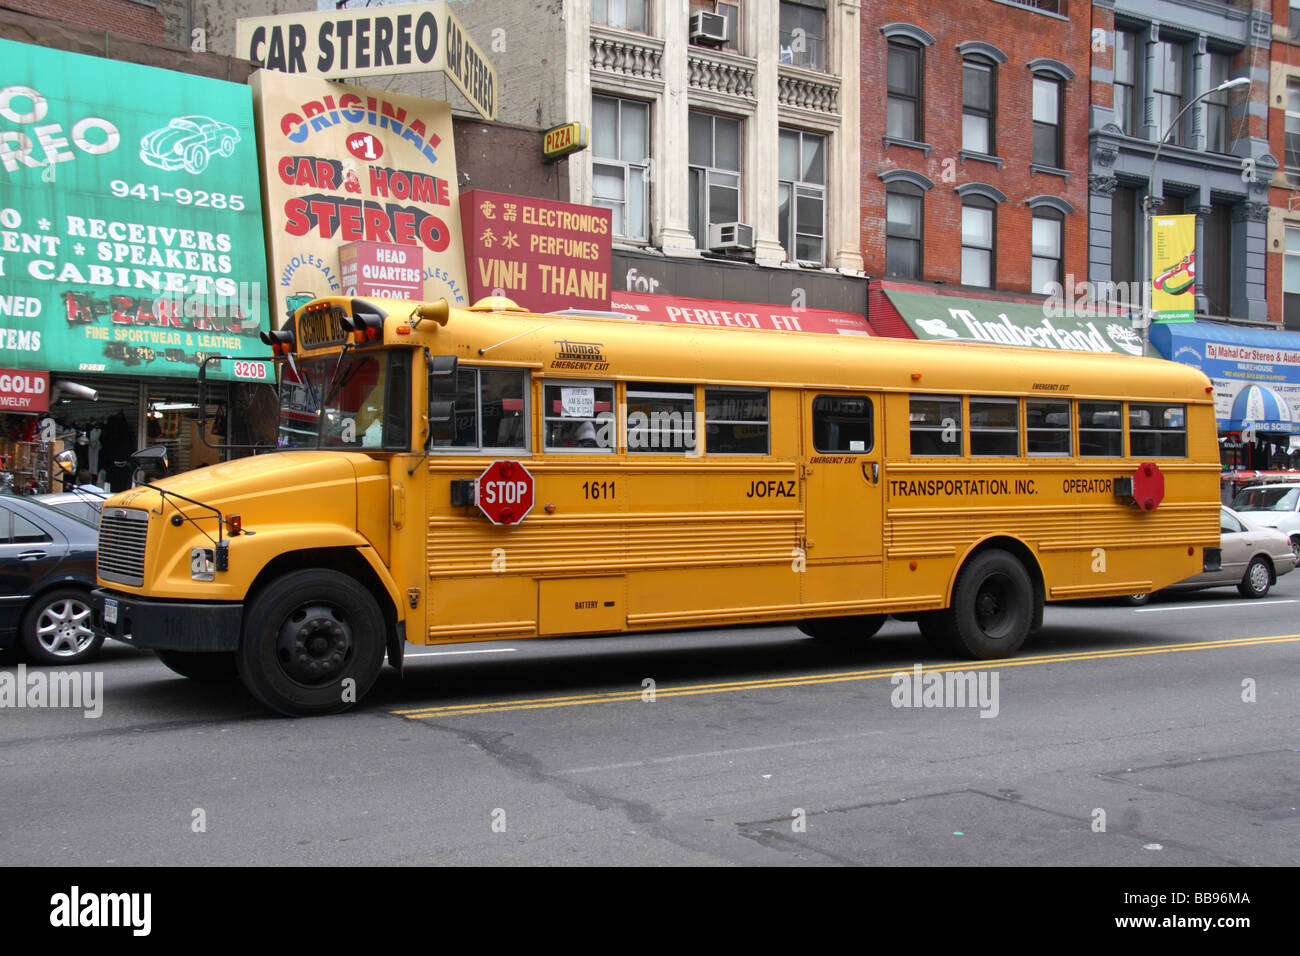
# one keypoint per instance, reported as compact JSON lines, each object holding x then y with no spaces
{"x":770,"y":489}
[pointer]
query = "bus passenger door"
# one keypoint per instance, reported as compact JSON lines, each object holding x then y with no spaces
{"x":843,"y":498}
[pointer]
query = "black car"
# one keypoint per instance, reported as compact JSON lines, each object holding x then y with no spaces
{"x":47,"y":568}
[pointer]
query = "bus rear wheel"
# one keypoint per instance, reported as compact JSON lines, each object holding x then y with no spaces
{"x":313,"y":643}
{"x":992,"y":607}
{"x":843,"y":628}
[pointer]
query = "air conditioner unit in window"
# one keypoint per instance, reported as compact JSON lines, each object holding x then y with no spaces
{"x":730,"y":237}
{"x":708,"y":28}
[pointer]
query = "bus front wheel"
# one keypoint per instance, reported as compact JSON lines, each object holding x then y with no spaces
{"x":992,"y":606}
{"x":857,"y":628}
{"x":313,"y":643}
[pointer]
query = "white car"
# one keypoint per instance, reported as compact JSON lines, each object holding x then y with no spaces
{"x":1254,"y":556}
{"x":1273,"y":506}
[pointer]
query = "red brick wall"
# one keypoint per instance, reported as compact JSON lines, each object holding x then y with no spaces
{"x":127,"y":17}
{"x":1023,"y":35}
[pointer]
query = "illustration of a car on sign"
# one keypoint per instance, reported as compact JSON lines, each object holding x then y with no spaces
{"x":187,"y":142}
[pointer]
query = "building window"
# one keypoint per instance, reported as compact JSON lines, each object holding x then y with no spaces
{"x":1295,"y":21}
{"x":803,"y":33}
{"x":1124,"y":225}
{"x":1216,"y":104}
{"x":624,"y":14}
{"x":714,"y":150}
{"x":1213,"y":269}
{"x":1291,"y":279}
{"x":978,"y":92}
{"x":903,"y":108}
{"x":978,"y":230}
{"x":620,"y":181}
{"x":730,"y":10}
{"x":1292,"y":161}
{"x":1047,"y":121}
{"x":1127,"y":115}
{"x":1048,"y":251}
{"x":904,"y":219}
{"x":1167,"y":88}
{"x":801,"y":195}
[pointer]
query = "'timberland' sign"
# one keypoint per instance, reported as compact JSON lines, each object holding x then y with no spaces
{"x":412,"y":38}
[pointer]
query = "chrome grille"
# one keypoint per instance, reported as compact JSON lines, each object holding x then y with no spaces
{"x":122,"y":534}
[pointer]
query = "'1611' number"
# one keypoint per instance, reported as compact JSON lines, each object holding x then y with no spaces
{"x":595,"y":490}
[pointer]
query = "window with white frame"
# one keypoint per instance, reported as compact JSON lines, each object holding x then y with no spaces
{"x":1048,"y":250}
{"x":1047,"y":121}
{"x":624,"y":14}
{"x":904,"y":230}
{"x":1126,"y":109}
{"x":1216,"y":104}
{"x":803,"y":33}
{"x":1294,"y":21}
{"x":801,"y":195}
{"x":1292,"y":161}
{"x":1168,"y":85}
{"x":714,"y":151}
{"x":903,"y":90}
{"x":978,"y":233}
{"x":978,"y":89}
{"x":620,"y":146}
{"x":1291,"y":279}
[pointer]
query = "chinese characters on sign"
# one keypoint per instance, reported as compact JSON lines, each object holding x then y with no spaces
{"x":544,"y":255}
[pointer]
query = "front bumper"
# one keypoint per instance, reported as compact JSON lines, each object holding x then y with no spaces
{"x":168,"y":625}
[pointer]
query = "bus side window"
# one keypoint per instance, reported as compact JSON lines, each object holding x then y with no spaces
{"x":1101,"y":430}
{"x":842,"y":423}
{"x":935,"y":424}
{"x":1047,"y":427}
{"x":491,"y":410}
{"x":660,"y":418}
{"x":994,"y":427}
{"x":735,"y":421}
{"x":1157,"y":430}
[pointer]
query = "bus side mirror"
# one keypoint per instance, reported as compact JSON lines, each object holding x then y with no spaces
{"x":442,"y":376}
{"x":442,"y":421}
{"x":151,"y":460}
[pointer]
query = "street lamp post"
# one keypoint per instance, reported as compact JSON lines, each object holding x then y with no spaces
{"x":1149,"y":202}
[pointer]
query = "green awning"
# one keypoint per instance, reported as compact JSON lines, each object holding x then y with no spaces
{"x":1049,"y":324}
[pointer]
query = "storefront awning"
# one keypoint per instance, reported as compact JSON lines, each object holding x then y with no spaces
{"x":1256,"y":372}
{"x":1044,"y":324}
{"x":737,"y":315}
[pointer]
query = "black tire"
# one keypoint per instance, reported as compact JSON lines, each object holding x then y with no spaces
{"x":1295,"y":547}
{"x":843,"y":628}
{"x":305,"y":635}
{"x":198,"y":665}
{"x":992,"y":606}
{"x":1257,"y":579}
{"x":1135,"y":600}
{"x":56,"y":628}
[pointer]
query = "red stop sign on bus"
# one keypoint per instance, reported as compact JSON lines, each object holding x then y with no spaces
{"x":505,"y":492}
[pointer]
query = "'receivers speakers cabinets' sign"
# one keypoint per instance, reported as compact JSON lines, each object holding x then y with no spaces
{"x":372,"y":41}
{"x":345,"y":164}
{"x":130,"y":222}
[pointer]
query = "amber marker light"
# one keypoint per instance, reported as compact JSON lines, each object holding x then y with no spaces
{"x":916,"y":376}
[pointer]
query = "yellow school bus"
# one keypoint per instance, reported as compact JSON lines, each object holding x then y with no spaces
{"x":448,"y":475}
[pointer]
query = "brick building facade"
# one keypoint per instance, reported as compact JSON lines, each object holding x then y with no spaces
{"x":1284,"y":142}
{"x":974,"y":144}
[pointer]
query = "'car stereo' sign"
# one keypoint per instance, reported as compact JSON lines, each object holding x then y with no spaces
{"x":344,"y":164}
{"x":129,"y":235}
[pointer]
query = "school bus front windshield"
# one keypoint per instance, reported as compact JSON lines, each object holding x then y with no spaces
{"x":362,"y":401}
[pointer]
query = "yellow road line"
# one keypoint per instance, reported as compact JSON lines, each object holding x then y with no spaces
{"x":690,"y":690}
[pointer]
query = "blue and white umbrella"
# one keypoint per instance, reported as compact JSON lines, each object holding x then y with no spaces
{"x":1261,"y":405}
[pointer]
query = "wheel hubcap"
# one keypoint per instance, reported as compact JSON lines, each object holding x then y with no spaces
{"x":314,"y":644}
{"x":1258,"y":577}
{"x":63,"y":628}
{"x":991,"y":606}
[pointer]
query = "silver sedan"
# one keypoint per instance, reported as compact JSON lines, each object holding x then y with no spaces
{"x":1254,"y":557}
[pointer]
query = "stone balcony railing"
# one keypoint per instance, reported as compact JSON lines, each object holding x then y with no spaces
{"x":803,"y":89}
{"x":720,"y":72}
{"x":626,"y":54}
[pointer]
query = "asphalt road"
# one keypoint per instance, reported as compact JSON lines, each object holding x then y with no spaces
{"x":1163,"y":736}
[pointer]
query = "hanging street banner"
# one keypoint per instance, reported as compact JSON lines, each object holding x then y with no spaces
{"x":372,"y":41}
{"x":543,"y":254}
{"x":345,"y":164}
{"x":130,"y":222}
{"x":1173,"y":268}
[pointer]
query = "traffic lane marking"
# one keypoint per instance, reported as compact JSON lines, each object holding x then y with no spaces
{"x":690,"y":690}
{"x":1198,"y":607}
